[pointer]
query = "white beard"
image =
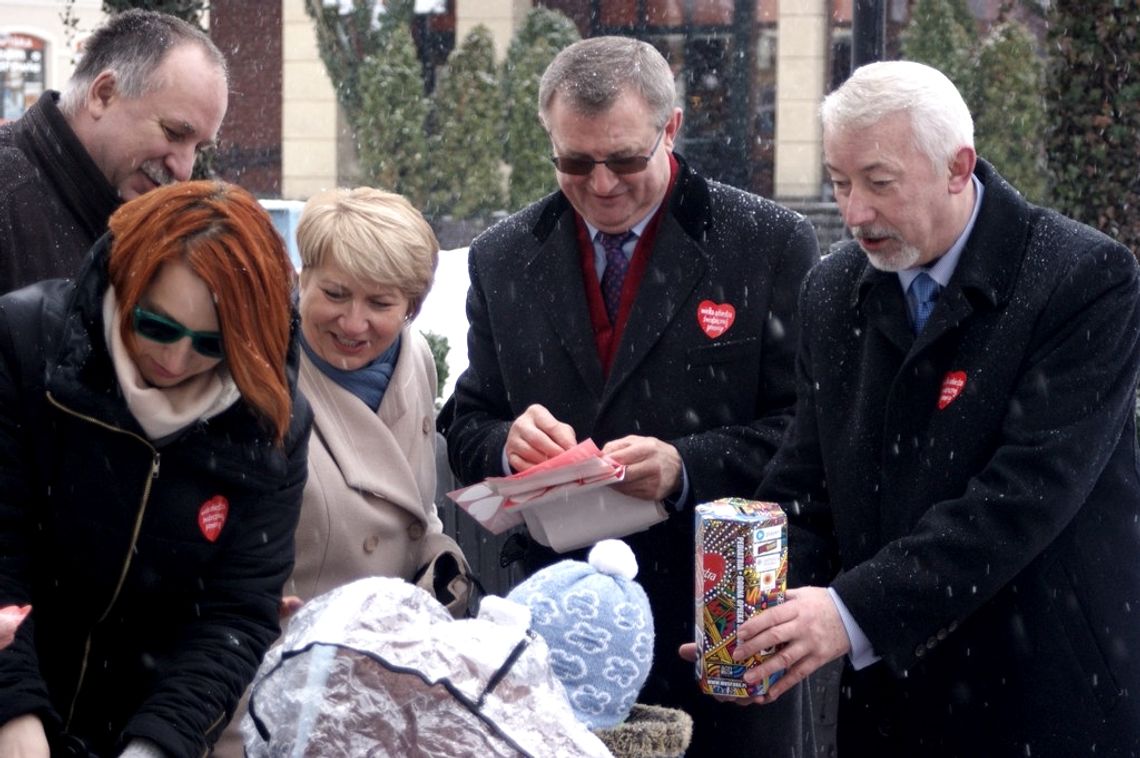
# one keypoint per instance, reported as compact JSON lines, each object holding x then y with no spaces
{"x":907,"y":256}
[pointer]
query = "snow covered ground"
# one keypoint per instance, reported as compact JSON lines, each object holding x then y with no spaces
{"x":444,"y":311}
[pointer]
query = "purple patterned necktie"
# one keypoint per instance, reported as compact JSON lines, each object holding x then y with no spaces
{"x":616,"y":265}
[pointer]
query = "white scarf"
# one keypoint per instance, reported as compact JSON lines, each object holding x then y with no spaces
{"x":162,"y":411}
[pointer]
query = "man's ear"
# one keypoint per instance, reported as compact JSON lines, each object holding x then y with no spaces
{"x":103,"y":90}
{"x":961,"y":169}
{"x":672,"y":128}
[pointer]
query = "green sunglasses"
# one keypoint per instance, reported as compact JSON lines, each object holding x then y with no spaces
{"x":162,"y":329}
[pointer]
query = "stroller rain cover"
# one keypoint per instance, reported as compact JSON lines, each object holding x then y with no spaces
{"x":379,"y":668}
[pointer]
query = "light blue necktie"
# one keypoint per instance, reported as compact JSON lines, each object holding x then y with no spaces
{"x":925,"y":291}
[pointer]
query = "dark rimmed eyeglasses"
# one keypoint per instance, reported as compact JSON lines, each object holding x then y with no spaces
{"x":628,"y":165}
{"x":162,"y":329}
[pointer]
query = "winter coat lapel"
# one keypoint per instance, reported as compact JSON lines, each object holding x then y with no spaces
{"x":884,"y":306}
{"x":676,"y":266}
{"x":360,"y":442}
{"x":555,"y":270}
{"x":988,"y":268}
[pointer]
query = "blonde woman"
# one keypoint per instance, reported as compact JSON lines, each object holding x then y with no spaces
{"x":368,"y":259}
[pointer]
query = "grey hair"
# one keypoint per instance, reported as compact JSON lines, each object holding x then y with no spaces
{"x":593,"y":73}
{"x":939,"y":118}
{"x":376,"y":237}
{"x":133,"y":44}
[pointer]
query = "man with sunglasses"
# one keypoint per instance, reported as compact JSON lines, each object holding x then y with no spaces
{"x":651,"y":310}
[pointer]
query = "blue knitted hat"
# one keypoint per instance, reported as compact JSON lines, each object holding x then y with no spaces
{"x":598,"y":625}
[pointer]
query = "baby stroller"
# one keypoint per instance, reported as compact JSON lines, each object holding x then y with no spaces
{"x":379,"y":668}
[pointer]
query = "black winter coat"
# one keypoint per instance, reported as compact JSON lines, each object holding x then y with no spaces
{"x":722,"y":400}
{"x":54,"y":200}
{"x":146,"y":621}
{"x":978,"y":488}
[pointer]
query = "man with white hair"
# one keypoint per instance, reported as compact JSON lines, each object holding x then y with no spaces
{"x":149,"y":93}
{"x":961,"y":473}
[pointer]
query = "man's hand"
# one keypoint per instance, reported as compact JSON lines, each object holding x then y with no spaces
{"x":688,"y":652}
{"x":536,"y":436}
{"x":806,"y":631}
{"x":23,"y":737}
{"x":652,"y":467}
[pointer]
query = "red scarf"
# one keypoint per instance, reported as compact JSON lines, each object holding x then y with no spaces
{"x":607,"y":337}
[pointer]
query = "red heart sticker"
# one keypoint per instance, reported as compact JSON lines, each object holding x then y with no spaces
{"x":715,"y":318}
{"x":712,"y":571}
{"x":212,"y":517}
{"x":952,"y":385}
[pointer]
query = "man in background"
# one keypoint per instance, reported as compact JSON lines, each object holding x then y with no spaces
{"x":149,"y":92}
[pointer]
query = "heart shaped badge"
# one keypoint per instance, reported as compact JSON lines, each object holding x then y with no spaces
{"x":952,"y":385}
{"x":715,"y":318}
{"x":212,"y":517}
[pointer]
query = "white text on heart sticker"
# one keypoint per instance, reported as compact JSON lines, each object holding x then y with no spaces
{"x":715,"y":318}
{"x":212,"y":517}
{"x":952,"y":385}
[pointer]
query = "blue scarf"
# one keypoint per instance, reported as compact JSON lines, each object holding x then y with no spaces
{"x":367,"y":382}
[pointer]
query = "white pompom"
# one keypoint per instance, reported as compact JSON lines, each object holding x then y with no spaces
{"x":615,"y":558}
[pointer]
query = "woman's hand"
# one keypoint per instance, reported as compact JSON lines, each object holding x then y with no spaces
{"x":23,"y":737}
{"x":290,"y":604}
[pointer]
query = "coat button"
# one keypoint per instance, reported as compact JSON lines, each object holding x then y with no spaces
{"x":416,"y":530}
{"x":920,"y":651}
{"x":427,"y":425}
{"x":941,"y":635}
{"x":930,"y":643}
{"x":371,"y":544}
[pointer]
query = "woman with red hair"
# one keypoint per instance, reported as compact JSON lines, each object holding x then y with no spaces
{"x":152,"y":458}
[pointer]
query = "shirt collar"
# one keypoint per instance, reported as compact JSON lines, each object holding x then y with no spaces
{"x":627,"y":249}
{"x":638,"y":229}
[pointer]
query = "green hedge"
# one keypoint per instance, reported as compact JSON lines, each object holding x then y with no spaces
{"x":1093,"y":100}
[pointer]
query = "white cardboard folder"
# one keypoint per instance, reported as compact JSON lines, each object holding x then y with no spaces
{"x":565,"y":502}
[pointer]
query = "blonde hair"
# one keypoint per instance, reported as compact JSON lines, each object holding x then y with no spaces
{"x":374,"y":236}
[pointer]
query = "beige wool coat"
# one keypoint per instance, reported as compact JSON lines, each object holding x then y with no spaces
{"x":369,"y":503}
